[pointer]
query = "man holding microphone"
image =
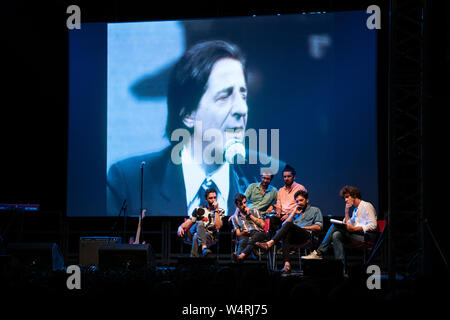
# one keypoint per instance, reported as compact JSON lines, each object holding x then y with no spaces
{"x":205,"y":223}
{"x":248,"y":225}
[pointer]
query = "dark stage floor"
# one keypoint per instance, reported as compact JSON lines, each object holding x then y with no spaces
{"x":193,"y":283}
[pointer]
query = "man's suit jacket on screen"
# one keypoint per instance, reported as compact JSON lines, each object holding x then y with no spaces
{"x":164,"y":192}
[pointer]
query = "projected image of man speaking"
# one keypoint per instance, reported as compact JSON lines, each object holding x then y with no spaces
{"x":206,"y":123}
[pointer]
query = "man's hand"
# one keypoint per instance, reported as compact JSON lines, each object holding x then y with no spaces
{"x":278,"y":210}
{"x":347,"y":208}
{"x":180,"y":231}
{"x":350,"y":228}
{"x":284,"y":217}
{"x":215,"y":205}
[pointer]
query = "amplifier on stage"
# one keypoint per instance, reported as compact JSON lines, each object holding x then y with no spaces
{"x":89,"y":248}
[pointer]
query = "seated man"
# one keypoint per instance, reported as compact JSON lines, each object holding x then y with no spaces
{"x":360,"y":226}
{"x":248,"y":225}
{"x":297,"y":227}
{"x":285,"y":199}
{"x":204,"y":222}
{"x":262,"y":196}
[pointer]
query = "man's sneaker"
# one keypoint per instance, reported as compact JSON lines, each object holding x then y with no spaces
{"x":205,"y":252}
{"x":313,"y":255}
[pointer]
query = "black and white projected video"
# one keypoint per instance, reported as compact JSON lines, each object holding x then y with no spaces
{"x":158,"y":108}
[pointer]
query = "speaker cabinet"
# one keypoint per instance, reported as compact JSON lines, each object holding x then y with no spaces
{"x":125,"y":256}
{"x":40,"y":255}
{"x":89,"y":248}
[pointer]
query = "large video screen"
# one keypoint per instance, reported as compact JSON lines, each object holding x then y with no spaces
{"x":158,"y":108}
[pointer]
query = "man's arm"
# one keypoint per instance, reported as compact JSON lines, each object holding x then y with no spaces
{"x":291,"y":215}
{"x":371,"y":216}
{"x":314,"y":228}
{"x":218,"y":220}
{"x":218,"y":223}
{"x":346,"y":213}
{"x":351,"y":228}
{"x":317,"y":223}
{"x":240,"y":233}
{"x":260,"y":222}
{"x":184,"y":226}
{"x":278,"y":206}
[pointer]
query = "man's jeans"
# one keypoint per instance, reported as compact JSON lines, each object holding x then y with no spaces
{"x":338,"y":235}
{"x":247,"y":243}
{"x":200,"y":236}
{"x":290,"y":233}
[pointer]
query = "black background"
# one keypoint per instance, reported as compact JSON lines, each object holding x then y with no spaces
{"x":34,"y":95}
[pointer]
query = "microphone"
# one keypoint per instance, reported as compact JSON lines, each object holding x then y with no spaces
{"x":234,"y":148}
{"x":142,"y":164}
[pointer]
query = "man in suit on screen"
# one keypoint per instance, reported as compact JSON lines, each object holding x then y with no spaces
{"x":206,"y":123}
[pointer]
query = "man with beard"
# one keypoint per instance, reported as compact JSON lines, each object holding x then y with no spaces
{"x":204,"y":224}
{"x":249,"y":227}
{"x":297,"y":227}
{"x":262,"y":196}
{"x":285,"y":199}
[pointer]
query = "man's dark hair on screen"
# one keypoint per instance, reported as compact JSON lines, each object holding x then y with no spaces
{"x":189,"y":76}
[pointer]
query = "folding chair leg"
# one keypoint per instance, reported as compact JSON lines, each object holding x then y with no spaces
{"x":274,"y":258}
{"x":218,"y":251}
{"x":300,"y":259}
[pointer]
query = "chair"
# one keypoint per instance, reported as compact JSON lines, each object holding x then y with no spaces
{"x":306,"y":247}
{"x":367,"y":245}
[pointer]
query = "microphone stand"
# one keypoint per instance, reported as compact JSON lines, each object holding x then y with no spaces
{"x":122,"y":209}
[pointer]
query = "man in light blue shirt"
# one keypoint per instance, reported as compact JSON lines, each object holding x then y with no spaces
{"x":297,"y":227}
